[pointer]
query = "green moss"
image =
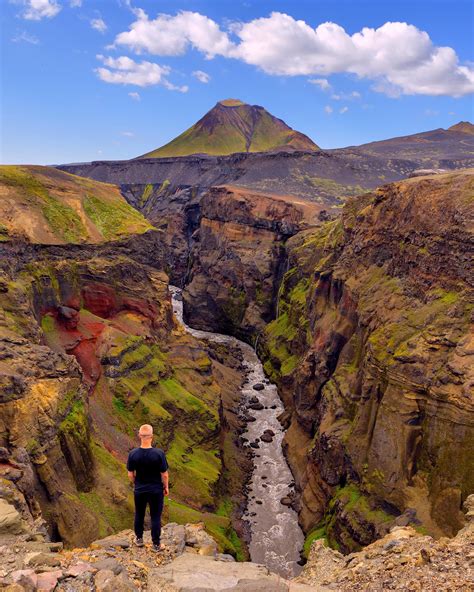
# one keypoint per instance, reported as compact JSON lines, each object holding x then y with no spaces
{"x":316,"y":534}
{"x":63,"y":220}
{"x":145,"y":196}
{"x":110,"y":517}
{"x":76,"y":421}
{"x":329,"y":186}
{"x":114,"y":219}
{"x":3,"y":233}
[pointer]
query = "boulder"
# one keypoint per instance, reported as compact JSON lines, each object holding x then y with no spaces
{"x":48,"y":580}
{"x":191,"y":572}
{"x":106,"y":581}
{"x":10,"y":519}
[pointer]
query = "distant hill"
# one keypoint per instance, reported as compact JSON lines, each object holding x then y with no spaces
{"x":432,"y":146}
{"x":233,"y":126}
{"x":48,"y":206}
{"x":465,"y":127}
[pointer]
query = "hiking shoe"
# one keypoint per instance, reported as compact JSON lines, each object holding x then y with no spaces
{"x":158,"y":548}
{"x":139,"y":542}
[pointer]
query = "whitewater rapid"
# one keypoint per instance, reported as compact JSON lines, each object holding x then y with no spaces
{"x":276,"y":539}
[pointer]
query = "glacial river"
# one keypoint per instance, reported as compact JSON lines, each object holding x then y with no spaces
{"x":276,"y":538}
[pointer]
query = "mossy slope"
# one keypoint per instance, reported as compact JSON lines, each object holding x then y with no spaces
{"x":48,"y":206}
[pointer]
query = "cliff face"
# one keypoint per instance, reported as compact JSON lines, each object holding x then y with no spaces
{"x":89,"y":350}
{"x":237,"y":256}
{"x":373,"y":350}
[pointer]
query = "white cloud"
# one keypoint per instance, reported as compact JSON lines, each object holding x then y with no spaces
{"x":398,"y":57}
{"x":321,"y":82}
{"x":35,"y":10}
{"x":328,"y":109}
{"x":346,"y":96}
{"x":25,"y":37}
{"x":75,"y":3}
{"x":123,"y":70}
{"x":202,"y":76}
{"x":431,"y":113}
{"x":99,"y":25}
{"x":344,"y":110}
{"x":135,"y":96}
{"x":127,"y":134}
{"x":172,"y":35}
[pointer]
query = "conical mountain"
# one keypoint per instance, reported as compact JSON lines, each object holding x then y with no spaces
{"x":233,"y":126}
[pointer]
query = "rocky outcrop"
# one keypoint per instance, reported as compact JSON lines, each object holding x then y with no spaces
{"x":190,"y":562}
{"x":237,"y":258}
{"x":373,"y":350}
{"x":401,"y":560}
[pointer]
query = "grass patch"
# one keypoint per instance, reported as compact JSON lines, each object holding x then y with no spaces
{"x":114,"y":219}
{"x":317,"y":533}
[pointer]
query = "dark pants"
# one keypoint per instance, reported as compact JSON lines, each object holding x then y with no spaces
{"x":155,"y":501}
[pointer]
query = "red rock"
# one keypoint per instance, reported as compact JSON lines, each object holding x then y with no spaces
{"x":47,"y":580}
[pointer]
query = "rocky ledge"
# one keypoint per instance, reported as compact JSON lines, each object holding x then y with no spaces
{"x":402,"y":560}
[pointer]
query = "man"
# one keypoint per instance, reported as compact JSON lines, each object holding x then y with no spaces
{"x":148,"y":471}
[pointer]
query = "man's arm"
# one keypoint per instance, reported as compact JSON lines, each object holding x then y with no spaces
{"x":131,"y":476}
{"x":165,"y":481}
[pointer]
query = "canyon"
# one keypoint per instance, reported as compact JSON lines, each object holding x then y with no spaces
{"x":357,"y":298}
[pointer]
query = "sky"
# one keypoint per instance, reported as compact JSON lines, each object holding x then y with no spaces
{"x":89,"y":80}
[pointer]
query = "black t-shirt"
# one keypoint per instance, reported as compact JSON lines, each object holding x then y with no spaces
{"x":148,"y":464}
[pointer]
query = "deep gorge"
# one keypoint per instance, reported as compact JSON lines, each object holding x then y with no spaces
{"x":377,"y":407}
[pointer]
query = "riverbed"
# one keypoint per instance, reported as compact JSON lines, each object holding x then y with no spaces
{"x":276,"y":539}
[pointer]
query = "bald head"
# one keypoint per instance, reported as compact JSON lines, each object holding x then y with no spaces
{"x":145,"y":431}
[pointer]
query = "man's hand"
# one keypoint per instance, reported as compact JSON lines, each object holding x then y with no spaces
{"x":165,"y":481}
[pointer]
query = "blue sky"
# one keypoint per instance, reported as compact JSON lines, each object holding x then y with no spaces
{"x":111,"y":79}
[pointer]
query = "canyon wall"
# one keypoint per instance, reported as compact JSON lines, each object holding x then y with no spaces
{"x":89,"y":350}
{"x":373,"y":350}
{"x":237,"y":258}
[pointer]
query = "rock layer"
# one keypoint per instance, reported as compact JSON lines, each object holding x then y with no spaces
{"x":237,"y":258}
{"x":373,"y":350}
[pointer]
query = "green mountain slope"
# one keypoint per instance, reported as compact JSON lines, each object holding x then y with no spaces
{"x":45,"y":205}
{"x":233,"y":126}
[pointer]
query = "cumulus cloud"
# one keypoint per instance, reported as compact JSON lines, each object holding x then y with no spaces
{"x":35,"y":10}
{"x":75,"y":3}
{"x":124,"y":70}
{"x":323,"y":83}
{"x":99,"y":25}
{"x":25,"y":37}
{"x":135,"y":96}
{"x":201,"y":76}
{"x":328,"y":109}
{"x":344,"y":110}
{"x":127,"y":134}
{"x":172,"y":35}
{"x":398,"y":57}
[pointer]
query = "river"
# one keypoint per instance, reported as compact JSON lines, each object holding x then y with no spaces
{"x":275,"y":536}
